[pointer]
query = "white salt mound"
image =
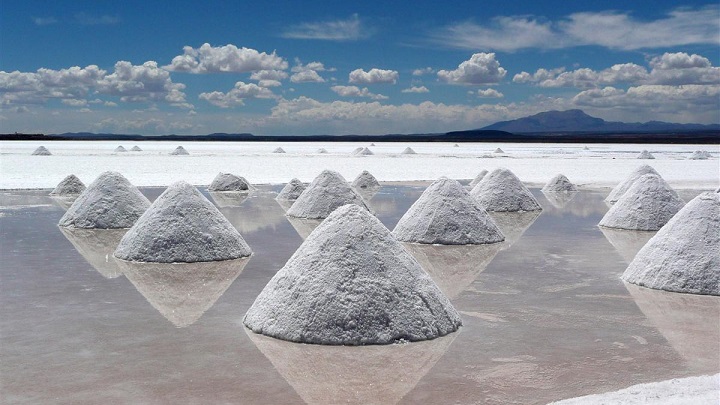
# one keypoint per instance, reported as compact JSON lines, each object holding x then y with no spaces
{"x":498,"y":150}
{"x":182,"y":226}
{"x":647,"y":205}
{"x":352,"y":283}
{"x":447,"y":214}
{"x":279,"y":150}
{"x":120,"y":149}
{"x":456,"y":146}
{"x":408,"y":151}
{"x":322,"y":150}
{"x":372,"y":144}
{"x":700,"y":155}
{"x":327,"y":192}
{"x":362,"y":152}
{"x":179,"y":151}
{"x":502,"y":191}
{"x":69,"y":186}
{"x":645,"y":155}
{"x":621,"y":188}
{"x":291,"y":191}
{"x":559,"y":184}
{"x":136,"y":149}
{"x":109,"y":202}
{"x":586,"y":148}
{"x":365,"y":180}
{"x":229,"y":182}
{"x":684,"y":256}
{"x":41,"y":151}
{"x":478,"y":179}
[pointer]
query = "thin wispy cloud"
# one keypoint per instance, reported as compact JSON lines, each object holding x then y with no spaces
{"x":44,"y":20}
{"x":351,"y":29}
{"x":90,"y":19}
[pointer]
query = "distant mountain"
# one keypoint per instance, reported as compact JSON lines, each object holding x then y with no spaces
{"x":578,"y":121}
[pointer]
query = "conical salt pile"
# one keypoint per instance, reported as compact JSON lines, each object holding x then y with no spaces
{"x":136,"y":149}
{"x":621,"y":188}
{"x":372,"y":144}
{"x":69,"y":186}
{"x":498,"y":150}
{"x":182,"y":226}
{"x":41,"y":151}
{"x":363,"y":152}
{"x":408,"y":151}
{"x":352,"y":283}
{"x":322,"y":150}
{"x":699,"y":155}
{"x":586,"y":148}
{"x":478,"y":179}
{"x":446,"y":214}
{"x":291,"y":191}
{"x":365,"y":180}
{"x":109,"y":202}
{"x":684,"y":256}
{"x":645,"y":155}
{"x":327,"y":192}
{"x":502,"y":191}
{"x":229,"y":182}
{"x":559,"y":184}
{"x":279,"y":150}
{"x":120,"y":149}
{"x":179,"y":151}
{"x":456,"y":146}
{"x":647,"y":205}
{"x":356,"y":150}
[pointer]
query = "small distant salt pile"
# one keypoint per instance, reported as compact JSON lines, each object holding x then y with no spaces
{"x":327,"y":192}
{"x":109,"y":202}
{"x":365,"y":180}
{"x":502,"y":191}
{"x":684,"y":256}
{"x":645,"y":155}
{"x":229,"y":182}
{"x":182,"y":226}
{"x":498,"y":150}
{"x":621,"y":188}
{"x":291,"y":191}
{"x":352,"y":283}
{"x":136,"y":149}
{"x":408,"y":151}
{"x":322,"y":150}
{"x":120,"y":149}
{"x":279,"y":150}
{"x":647,"y":205}
{"x":179,"y":151}
{"x":478,"y":179}
{"x":69,"y":186}
{"x":372,"y":144}
{"x":356,"y":150}
{"x":41,"y":151}
{"x":559,"y":184}
{"x":446,"y":214}
{"x":456,"y":146}
{"x":700,"y":155}
{"x":586,"y":148}
{"x":362,"y":152}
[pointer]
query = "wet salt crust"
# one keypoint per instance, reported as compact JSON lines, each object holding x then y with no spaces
{"x":365,"y":180}
{"x":559,"y":184}
{"x":478,"y":179}
{"x":502,"y":191}
{"x":109,"y":202}
{"x":291,"y":191}
{"x":684,"y":256}
{"x":645,"y":155}
{"x":229,"y":182}
{"x":69,"y":186}
{"x":647,"y":205}
{"x":327,"y":192}
{"x":621,"y":188}
{"x":41,"y":151}
{"x":179,"y":151}
{"x":447,"y":214}
{"x":352,"y":283}
{"x":182,"y":226}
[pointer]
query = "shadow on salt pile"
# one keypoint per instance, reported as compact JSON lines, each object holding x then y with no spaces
{"x":96,"y":246}
{"x":375,"y":374}
{"x":627,"y":243}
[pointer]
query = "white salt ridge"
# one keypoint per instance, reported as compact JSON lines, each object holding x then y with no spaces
{"x":322,"y":150}
{"x":279,"y":150}
{"x":365,"y":180}
{"x":291,"y":191}
{"x":645,"y":155}
{"x":408,"y":151}
{"x":684,"y":256}
{"x":120,"y":149}
{"x":229,"y":182}
{"x":179,"y":151}
{"x":69,"y":186}
{"x":621,"y":188}
{"x":182,"y":226}
{"x":502,"y":191}
{"x":362,"y":152}
{"x":498,"y":150}
{"x":559,"y":184}
{"x":352,"y":283}
{"x":477,"y":179}
{"x":327,"y":192}
{"x":447,"y":214}
{"x":41,"y":151}
{"x":136,"y":149}
{"x":647,"y":205}
{"x":109,"y":202}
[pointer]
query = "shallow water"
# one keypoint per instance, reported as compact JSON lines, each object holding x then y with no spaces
{"x":545,"y":315}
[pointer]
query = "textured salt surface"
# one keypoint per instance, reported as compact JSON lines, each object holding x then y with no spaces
{"x":41,"y":151}
{"x":365,"y":180}
{"x":229,"y":182}
{"x":327,"y":192}
{"x":447,"y":214}
{"x":408,"y":151}
{"x":684,"y":256}
{"x":120,"y":149}
{"x":109,"y":202}
{"x":621,"y":188}
{"x":136,"y":149}
{"x":182,"y":226}
{"x":478,"y":179}
{"x":291,"y":191}
{"x":700,"y":390}
{"x":179,"y":151}
{"x":279,"y":150}
{"x":559,"y":184}
{"x":69,"y":186}
{"x":647,"y":205}
{"x":502,"y":191}
{"x":352,"y":283}
{"x":645,"y":155}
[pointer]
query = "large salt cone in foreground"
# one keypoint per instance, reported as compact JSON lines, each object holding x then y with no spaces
{"x":41,"y":151}
{"x":684,"y":256}
{"x":647,"y":205}
{"x":69,"y":186}
{"x":365,"y":180}
{"x":182,"y":292}
{"x":559,"y":184}
{"x":179,"y":151}
{"x":645,"y":155}
{"x":327,"y":192}
{"x":621,"y":188}
{"x":109,"y":202}
{"x":446,"y":214}
{"x":627,"y":243}
{"x":291,"y":191}
{"x":182,"y":226}
{"x":502,"y":191}
{"x":352,"y":283}
{"x":408,"y":151}
{"x":352,"y":375}
{"x":477,"y":179}
{"x":229,"y":182}
{"x":97,"y":246}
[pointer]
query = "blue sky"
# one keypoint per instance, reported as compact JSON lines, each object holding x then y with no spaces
{"x":311,"y":67}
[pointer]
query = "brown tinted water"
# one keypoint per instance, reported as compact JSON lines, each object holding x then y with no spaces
{"x":545,"y":315}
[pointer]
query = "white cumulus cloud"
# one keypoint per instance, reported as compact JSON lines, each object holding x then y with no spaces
{"x":481,"y":68}
{"x":308,"y":73}
{"x":224,"y":59}
{"x":489,"y":93}
{"x":138,"y":83}
{"x":237,"y":95}
{"x":373,"y":76}
{"x":354,"y":91}
{"x":423,"y":71}
{"x":416,"y":89}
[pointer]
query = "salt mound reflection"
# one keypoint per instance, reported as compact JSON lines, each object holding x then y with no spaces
{"x":513,"y":224}
{"x":97,"y":246}
{"x":626,"y":242}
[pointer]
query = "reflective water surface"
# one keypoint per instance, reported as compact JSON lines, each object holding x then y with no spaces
{"x":545,"y":315}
